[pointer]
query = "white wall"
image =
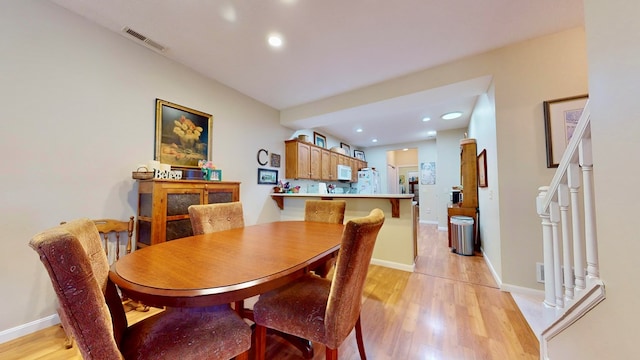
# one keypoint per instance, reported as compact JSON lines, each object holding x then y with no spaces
{"x":78,"y":115}
{"x":610,"y":330}
{"x":482,"y":127}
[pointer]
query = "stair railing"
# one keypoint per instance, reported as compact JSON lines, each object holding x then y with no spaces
{"x":571,"y":270}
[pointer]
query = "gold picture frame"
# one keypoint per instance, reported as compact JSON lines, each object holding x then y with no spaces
{"x":183,"y":135}
{"x":560,"y":119}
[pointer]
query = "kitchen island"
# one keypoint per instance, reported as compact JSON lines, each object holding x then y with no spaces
{"x":396,"y":246}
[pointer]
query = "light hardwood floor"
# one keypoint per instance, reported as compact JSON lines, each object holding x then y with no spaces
{"x":449,"y":308}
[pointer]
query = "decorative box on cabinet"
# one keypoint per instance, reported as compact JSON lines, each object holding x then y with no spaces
{"x":163,"y":206}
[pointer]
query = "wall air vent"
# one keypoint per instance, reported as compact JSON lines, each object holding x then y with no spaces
{"x":145,"y":40}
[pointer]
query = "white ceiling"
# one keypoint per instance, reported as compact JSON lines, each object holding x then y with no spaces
{"x":335,"y":46}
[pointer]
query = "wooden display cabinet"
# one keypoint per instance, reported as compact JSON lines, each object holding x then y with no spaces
{"x":163,"y":206}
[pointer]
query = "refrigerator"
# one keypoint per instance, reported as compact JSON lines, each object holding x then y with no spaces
{"x":368,"y":181}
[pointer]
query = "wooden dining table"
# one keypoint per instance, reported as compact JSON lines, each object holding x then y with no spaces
{"x":226,"y":266}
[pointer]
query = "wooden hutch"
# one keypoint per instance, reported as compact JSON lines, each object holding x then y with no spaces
{"x":163,"y":206}
{"x":469,"y":181}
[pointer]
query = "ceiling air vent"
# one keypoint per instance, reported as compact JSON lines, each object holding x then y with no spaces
{"x":145,"y":40}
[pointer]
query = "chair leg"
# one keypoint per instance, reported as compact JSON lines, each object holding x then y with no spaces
{"x":261,"y":342}
{"x":363,"y":356}
{"x":331,"y":354}
{"x":243,"y":356}
{"x":68,"y":340}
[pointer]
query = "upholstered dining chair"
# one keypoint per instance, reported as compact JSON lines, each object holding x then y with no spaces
{"x":322,"y":310}
{"x":327,"y":211}
{"x":79,"y":272}
{"x":210,"y":218}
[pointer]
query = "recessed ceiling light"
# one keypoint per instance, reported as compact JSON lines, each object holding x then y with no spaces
{"x":426,"y":118}
{"x":451,"y":115}
{"x":275,"y":40}
{"x":359,"y":130}
{"x":405,"y":149}
{"x":374,"y":140}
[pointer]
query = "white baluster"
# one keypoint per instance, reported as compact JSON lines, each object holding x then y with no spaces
{"x":573,"y":179}
{"x":563,"y":201}
{"x":586,"y":161}
{"x":547,"y":245}
{"x":557,"y":264}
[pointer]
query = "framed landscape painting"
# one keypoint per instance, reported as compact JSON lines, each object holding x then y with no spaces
{"x":183,"y":135}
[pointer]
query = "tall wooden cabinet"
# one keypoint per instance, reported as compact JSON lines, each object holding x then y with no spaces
{"x":469,"y":182}
{"x":163,"y":206}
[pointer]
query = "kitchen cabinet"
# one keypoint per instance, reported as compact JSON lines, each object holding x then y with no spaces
{"x":163,"y":206}
{"x":307,"y":161}
{"x":302,"y":160}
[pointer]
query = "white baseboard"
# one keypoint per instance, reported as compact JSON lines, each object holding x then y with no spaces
{"x":430,"y":222}
{"x":495,"y":275}
{"x":443,"y":228}
{"x":394,"y":265}
{"x":28,"y":328}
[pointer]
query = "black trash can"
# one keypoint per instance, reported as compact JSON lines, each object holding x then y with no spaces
{"x":462,"y":237}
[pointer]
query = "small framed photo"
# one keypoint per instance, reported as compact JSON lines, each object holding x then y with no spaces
{"x":359,"y":155}
{"x":267,"y":176}
{"x":275,"y":160}
{"x":482,"y":169}
{"x":183,"y":135}
{"x":319,"y":139}
{"x":560,"y":120}
{"x":346,"y":148}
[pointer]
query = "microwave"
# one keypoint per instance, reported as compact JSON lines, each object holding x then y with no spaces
{"x":344,"y":172}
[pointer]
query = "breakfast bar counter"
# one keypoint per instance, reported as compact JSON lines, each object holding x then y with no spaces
{"x":396,"y":246}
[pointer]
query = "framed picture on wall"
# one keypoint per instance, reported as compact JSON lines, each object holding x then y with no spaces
{"x":183,"y":135}
{"x":346,"y":148}
{"x":319,"y":139}
{"x":560,"y":119}
{"x":482,"y":169}
{"x":358,"y":154}
{"x":267,"y":176}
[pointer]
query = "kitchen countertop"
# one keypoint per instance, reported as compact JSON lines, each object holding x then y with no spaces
{"x":393,"y":198}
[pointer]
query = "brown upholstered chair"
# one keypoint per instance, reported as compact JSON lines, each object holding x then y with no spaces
{"x":79,"y":272}
{"x":321,"y":310}
{"x":210,"y":218}
{"x":327,"y":211}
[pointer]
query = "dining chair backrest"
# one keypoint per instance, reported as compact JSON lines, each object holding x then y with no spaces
{"x":328,"y":211}
{"x":210,"y":218}
{"x":352,"y":265}
{"x":78,"y":268}
{"x":115,"y":229}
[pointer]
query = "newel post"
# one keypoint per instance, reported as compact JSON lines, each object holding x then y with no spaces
{"x":547,"y":244}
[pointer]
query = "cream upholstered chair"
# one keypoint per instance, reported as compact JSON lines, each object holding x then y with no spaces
{"x":327,"y":211}
{"x":210,"y":218}
{"x":322,"y":310}
{"x":79,"y":272}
